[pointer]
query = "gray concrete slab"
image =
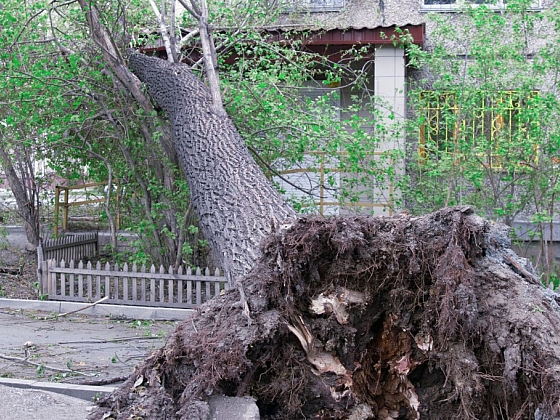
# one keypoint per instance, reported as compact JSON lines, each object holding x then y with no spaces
{"x":87,"y":393}
{"x":97,"y":347}
{"x":232,"y":408}
{"x":75,"y":348}
{"x":16,"y":236}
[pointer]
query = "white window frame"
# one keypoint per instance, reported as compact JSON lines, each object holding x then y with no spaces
{"x":458,"y":4}
{"x":313,"y":5}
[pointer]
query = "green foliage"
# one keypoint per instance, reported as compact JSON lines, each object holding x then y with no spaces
{"x":3,"y":238}
{"x":41,"y":370}
{"x":485,"y":129}
{"x":295,"y":109}
{"x":299,"y":110}
{"x":554,"y":279}
{"x":65,"y":107}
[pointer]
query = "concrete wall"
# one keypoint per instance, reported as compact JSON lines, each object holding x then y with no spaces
{"x":361,"y":13}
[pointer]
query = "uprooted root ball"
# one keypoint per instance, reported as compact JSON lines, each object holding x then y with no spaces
{"x":403,"y":317}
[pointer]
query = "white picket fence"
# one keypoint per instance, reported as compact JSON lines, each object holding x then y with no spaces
{"x":183,"y":288}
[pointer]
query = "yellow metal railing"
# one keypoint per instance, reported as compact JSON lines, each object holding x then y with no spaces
{"x":323,"y":169}
{"x":491,"y":118}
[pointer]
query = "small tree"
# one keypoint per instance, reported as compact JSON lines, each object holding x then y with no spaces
{"x":485,"y":116}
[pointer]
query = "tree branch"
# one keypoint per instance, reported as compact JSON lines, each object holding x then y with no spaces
{"x":171,"y":56}
{"x":275,"y":172}
{"x":209,"y":55}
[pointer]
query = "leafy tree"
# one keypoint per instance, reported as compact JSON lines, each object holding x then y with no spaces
{"x":80,"y":117}
{"x":486,"y":115}
{"x":106,"y":123}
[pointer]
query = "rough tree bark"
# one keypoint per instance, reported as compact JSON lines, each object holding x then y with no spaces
{"x":235,"y":204}
{"x":24,"y":188}
{"x":430,"y":317}
{"x":152,"y":129}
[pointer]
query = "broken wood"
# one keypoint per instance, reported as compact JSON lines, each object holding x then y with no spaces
{"x":103,"y":299}
{"x":43,"y":366}
{"x":112,"y":340}
{"x":12,"y":271}
{"x":101,"y":382}
{"x":390,"y":317}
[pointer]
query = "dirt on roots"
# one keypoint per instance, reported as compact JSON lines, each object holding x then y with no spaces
{"x":403,"y":317}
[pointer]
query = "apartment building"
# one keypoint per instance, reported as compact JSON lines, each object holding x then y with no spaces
{"x":338,"y":24}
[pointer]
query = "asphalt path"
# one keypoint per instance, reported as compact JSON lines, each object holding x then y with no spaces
{"x":42,"y":347}
{"x":77,"y":348}
{"x":16,"y":236}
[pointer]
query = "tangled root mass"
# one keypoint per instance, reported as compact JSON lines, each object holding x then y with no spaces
{"x":402,"y":317}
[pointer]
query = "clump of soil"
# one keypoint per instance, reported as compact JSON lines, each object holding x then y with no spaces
{"x":403,"y":317}
{"x":18,"y":273}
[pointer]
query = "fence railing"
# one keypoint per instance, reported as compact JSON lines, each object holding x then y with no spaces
{"x":130,"y":285}
{"x":70,"y":247}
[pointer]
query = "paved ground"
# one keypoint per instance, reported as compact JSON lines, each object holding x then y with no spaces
{"x":16,"y":236}
{"x":75,"y":348}
{"x":42,"y":358}
{"x":91,"y":348}
{"x":40,"y":405}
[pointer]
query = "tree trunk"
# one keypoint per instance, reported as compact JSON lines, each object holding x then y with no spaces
{"x":25,"y":192}
{"x":235,"y":204}
{"x":402,"y":317}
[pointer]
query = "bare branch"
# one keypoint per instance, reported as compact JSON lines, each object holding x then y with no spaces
{"x":164,"y":34}
{"x":43,"y":366}
{"x":172,"y":37}
{"x":25,"y":26}
{"x":187,"y":38}
{"x":276,"y":173}
{"x":210,"y":59}
{"x":189,"y":7}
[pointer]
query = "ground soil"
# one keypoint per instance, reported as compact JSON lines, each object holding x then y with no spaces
{"x":18,"y":273}
{"x":75,"y":349}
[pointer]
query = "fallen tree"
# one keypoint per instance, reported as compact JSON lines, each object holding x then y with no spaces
{"x":401,"y":317}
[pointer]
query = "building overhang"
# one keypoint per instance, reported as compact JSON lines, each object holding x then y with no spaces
{"x":332,"y":43}
{"x":351,"y":36}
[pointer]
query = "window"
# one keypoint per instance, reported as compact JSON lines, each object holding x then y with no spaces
{"x":317,"y":172}
{"x":494,"y":125}
{"x":452,"y":5}
{"x":313,"y":5}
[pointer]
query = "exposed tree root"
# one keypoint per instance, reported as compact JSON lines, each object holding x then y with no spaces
{"x":429,"y":317}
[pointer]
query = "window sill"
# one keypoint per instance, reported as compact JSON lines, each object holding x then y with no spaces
{"x":307,"y":10}
{"x":451,"y":8}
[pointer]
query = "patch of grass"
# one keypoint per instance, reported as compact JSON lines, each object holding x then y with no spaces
{"x":58,"y":377}
{"x":41,"y":370}
{"x":139,"y":323}
{"x":555,"y":280}
{"x":4,"y":238}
